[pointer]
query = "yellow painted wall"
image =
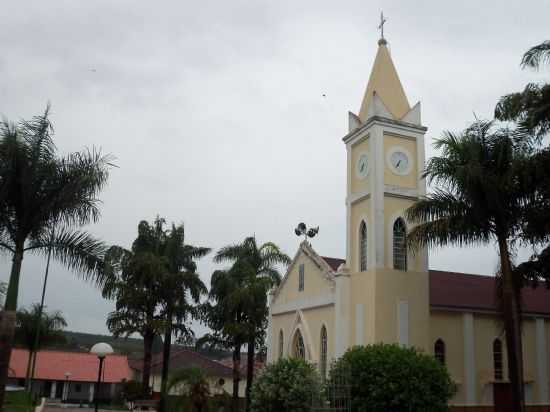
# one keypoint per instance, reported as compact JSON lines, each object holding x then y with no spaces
{"x":393,"y":286}
{"x":448,"y":327}
{"x":312,"y":322}
{"x":283,"y":322}
{"x":363,"y":289}
{"x":360,"y":185}
{"x":390,"y":178}
{"x":315,"y":282}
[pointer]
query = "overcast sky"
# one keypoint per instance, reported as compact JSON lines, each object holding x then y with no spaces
{"x":215,"y":112}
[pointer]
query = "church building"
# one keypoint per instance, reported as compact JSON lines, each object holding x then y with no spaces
{"x":381,"y":292}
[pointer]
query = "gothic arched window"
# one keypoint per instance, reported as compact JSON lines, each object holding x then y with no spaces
{"x":363,"y":247}
{"x":497,"y":359}
{"x":439,"y":351}
{"x":399,"y":245}
{"x":281,"y":344}
{"x":324,"y":350}
{"x":299,"y":347}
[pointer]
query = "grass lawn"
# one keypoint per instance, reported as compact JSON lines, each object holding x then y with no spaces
{"x":18,"y":402}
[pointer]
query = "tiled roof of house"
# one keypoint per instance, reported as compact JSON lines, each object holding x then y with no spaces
{"x":181,"y":358}
{"x":258,"y":364}
{"x":82,"y":366}
{"x":462,"y":291}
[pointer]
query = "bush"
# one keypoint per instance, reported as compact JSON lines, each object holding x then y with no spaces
{"x":287,"y":385}
{"x":390,"y":378}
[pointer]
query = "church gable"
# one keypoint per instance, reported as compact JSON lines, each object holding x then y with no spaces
{"x":308,"y":277}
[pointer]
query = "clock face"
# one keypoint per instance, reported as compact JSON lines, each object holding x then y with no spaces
{"x":363,"y":166}
{"x":400,"y":161}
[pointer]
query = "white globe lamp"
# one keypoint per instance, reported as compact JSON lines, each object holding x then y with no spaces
{"x":101,"y":350}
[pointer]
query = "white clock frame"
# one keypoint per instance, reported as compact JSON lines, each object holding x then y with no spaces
{"x":357,"y":172}
{"x":393,"y":150}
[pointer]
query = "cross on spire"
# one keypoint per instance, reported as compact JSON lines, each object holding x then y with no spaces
{"x":381,"y":25}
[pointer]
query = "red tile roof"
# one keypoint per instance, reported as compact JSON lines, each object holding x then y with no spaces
{"x":462,"y":291}
{"x":258,"y":364}
{"x":185,"y":358}
{"x":83,"y":367}
{"x":475,"y":292}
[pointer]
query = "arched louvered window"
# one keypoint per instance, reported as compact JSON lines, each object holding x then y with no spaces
{"x":439,"y":351}
{"x":281,"y":344}
{"x":363,"y":247}
{"x":399,"y":245}
{"x":301,"y":277}
{"x":497,"y":359}
{"x":324,"y":350}
{"x":299,"y":347}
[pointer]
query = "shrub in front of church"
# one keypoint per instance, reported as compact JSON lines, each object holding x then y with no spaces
{"x":391,"y":378}
{"x":286,"y":385}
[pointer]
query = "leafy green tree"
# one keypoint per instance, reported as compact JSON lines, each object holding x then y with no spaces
{"x":132,"y":279}
{"x":390,"y":378}
{"x":192,"y":382}
{"x":40,"y":190}
{"x":260,"y":265}
{"x":51,"y":326}
{"x":286,"y":385}
{"x":482,"y":197}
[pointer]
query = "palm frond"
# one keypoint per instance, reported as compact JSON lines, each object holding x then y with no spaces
{"x":76,"y":250}
{"x":537,"y":55}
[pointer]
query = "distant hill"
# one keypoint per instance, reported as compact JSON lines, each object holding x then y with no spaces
{"x":133,"y":347}
{"x":84,"y":341}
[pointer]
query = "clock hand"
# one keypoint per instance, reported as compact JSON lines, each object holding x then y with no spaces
{"x":398,"y":163}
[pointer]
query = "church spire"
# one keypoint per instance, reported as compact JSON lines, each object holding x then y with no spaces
{"x":384,"y":83}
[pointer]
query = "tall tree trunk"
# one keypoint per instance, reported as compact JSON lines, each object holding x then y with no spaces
{"x":7,"y":321}
{"x":147,"y":358}
{"x":165,"y":361}
{"x":249,"y":370}
{"x":28,"y":374}
{"x":236,"y":375}
{"x":511,"y":313}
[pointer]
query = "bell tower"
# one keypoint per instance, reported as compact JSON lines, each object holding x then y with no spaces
{"x":385,"y":159}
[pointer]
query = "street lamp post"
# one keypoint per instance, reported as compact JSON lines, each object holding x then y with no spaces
{"x":100,"y":350}
{"x":66,"y":387}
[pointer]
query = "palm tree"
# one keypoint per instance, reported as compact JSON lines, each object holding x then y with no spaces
{"x":37,"y":190}
{"x":132,"y":280}
{"x":481,"y":199}
{"x":530,"y":108}
{"x":27,"y":323}
{"x":180,"y":289}
{"x":262,"y":263}
{"x":225,"y":313}
{"x":194,"y":385}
